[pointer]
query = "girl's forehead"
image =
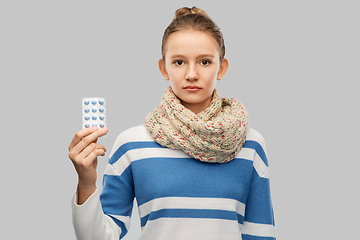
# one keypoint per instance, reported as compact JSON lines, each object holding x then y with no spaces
{"x":191,"y":42}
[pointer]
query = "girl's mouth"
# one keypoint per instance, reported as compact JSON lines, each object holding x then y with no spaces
{"x":192,"y":88}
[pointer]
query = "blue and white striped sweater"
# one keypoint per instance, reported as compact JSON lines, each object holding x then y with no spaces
{"x":182,"y":198}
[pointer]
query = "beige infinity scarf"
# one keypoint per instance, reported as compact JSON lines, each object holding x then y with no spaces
{"x":214,"y":135}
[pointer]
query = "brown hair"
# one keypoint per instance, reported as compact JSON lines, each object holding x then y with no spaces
{"x":196,"y":19}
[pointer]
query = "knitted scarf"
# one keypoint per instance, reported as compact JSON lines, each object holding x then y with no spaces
{"x":214,"y":135}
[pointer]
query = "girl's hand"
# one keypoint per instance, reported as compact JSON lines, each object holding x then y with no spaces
{"x":83,"y":152}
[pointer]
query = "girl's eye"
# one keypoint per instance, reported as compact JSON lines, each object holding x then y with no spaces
{"x":205,"y":62}
{"x":178,"y":62}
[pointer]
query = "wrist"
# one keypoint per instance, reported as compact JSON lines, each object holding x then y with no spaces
{"x":86,"y":187}
{"x":84,"y":191}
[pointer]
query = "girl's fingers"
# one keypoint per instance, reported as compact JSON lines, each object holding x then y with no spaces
{"x":89,"y":160}
{"x":86,"y":139}
{"x":80,"y":135}
{"x":99,"y":148}
{"x":83,"y":139}
{"x":83,"y":152}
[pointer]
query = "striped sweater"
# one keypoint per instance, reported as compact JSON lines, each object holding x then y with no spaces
{"x":179,"y":197}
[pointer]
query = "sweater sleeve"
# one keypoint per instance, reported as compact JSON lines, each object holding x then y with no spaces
{"x":89,"y":220}
{"x":117,"y":196}
{"x":106,"y":215}
{"x":259,"y":221}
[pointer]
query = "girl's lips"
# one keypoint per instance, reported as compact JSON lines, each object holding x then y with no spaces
{"x":192,"y":88}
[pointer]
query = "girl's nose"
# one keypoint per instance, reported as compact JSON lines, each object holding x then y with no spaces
{"x":191,"y":73}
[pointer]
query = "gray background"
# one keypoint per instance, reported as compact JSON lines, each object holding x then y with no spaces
{"x":294,"y":65}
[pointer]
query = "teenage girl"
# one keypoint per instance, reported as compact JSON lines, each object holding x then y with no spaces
{"x":195,"y":167}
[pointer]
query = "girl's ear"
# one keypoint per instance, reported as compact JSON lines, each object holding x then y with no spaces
{"x":224,"y":65}
{"x":162,"y":69}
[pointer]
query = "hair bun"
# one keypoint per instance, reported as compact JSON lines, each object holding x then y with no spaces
{"x":186,"y":11}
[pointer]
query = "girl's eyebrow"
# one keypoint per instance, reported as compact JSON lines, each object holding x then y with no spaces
{"x":198,"y":57}
{"x":205,"y":56}
{"x":176,"y":56}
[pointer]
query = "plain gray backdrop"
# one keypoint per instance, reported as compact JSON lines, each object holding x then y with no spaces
{"x":293,"y":64}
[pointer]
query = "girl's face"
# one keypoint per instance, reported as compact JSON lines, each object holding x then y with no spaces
{"x":192,"y":65}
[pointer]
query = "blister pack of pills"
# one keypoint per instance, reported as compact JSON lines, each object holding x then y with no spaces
{"x":93,"y":112}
